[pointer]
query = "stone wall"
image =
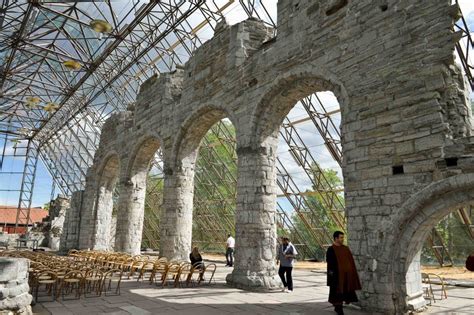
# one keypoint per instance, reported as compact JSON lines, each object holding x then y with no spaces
{"x":70,"y":233}
{"x":14,"y":287}
{"x":56,"y":218}
{"x":11,"y":239}
{"x":403,"y":104}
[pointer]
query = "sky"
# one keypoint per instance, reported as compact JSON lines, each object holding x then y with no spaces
{"x":11,"y":172}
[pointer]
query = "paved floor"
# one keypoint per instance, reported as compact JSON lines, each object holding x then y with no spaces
{"x":309,"y":297}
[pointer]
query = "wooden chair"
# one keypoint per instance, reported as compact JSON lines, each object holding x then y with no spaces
{"x":172,"y":271}
{"x":147,"y":269}
{"x":159,"y":268}
{"x":209,"y":269}
{"x":183,"y":275}
{"x":135,"y":267}
{"x":427,"y":282}
{"x":72,"y":282}
{"x":48,"y":279}
{"x":92,"y":282}
{"x":112,"y":278}
{"x":196,"y":274}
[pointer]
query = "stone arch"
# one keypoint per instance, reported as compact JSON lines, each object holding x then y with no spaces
{"x":282,"y":96}
{"x":176,"y":220}
{"x":194,"y":128}
{"x":415,"y":219}
{"x":132,"y":195}
{"x":257,"y":186}
{"x":109,"y":174}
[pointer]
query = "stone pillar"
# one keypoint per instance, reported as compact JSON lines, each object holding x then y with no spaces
{"x":255,"y":267}
{"x":57,"y":213}
{"x":176,"y":221}
{"x":103,"y":220}
{"x":70,"y":234}
{"x":415,"y":298}
{"x":128,"y":236}
{"x":14,"y":296}
{"x":86,"y":224}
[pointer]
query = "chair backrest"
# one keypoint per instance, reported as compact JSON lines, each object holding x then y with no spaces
{"x":173,"y":268}
{"x":74,"y":274}
{"x":185,"y":268}
{"x":97,"y":273}
{"x":425,"y":278}
{"x":46,"y":275}
{"x":113,"y":274}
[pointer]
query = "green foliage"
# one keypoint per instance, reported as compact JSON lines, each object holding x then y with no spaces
{"x":214,"y":193}
{"x":215,"y":188}
{"x":317,"y":222}
{"x":456,"y":238}
{"x":46,"y":206}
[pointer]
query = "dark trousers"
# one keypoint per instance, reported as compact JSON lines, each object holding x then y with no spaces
{"x":229,"y":256}
{"x":288,"y":282}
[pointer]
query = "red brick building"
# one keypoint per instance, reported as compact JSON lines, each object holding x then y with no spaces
{"x":8,"y":219}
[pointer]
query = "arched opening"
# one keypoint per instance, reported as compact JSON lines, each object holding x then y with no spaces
{"x":310,"y":196}
{"x":207,"y":161}
{"x":215,"y":183}
{"x":419,"y":215}
{"x":106,"y":205}
{"x":305,"y":115}
{"x":132,"y":197}
{"x":270,"y":180}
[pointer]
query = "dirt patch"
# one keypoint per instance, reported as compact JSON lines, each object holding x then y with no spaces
{"x":455,"y":273}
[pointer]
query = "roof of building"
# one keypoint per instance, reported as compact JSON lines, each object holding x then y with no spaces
{"x":8,"y":215}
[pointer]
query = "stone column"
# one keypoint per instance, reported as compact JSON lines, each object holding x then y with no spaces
{"x":103,"y":219}
{"x":255,"y":267}
{"x":70,"y":235}
{"x":14,"y":295}
{"x":176,"y":221}
{"x":128,"y":236}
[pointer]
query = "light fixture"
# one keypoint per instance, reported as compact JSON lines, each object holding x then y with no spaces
{"x":51,"y":107}
{"x":23,"y":131}
{"x":15,"y":142}
{"x":100,"y":26}
{"x":32,"y":102}
{"x":72,"y":65}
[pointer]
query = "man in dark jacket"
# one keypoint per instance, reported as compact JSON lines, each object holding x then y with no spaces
{"x":342,"y":277}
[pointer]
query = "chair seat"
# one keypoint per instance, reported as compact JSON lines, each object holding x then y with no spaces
{"x":47,"y":281}
{"x":94,"y":278}
{"x":72,"y":280}
{"x":44,"y":278}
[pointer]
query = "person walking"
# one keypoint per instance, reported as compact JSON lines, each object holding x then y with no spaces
{"x":229,"y":253}
{"x":286,"y":257}
{"x":342,"y":277}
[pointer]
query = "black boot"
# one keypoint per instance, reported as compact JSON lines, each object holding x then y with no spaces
{"x":338,"y":310}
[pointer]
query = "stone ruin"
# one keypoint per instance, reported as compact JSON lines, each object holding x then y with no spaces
{"x":406,"y":137}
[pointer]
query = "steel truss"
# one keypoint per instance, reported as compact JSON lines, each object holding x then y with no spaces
{"x":27,"y":186}
{"x":464,"y":47}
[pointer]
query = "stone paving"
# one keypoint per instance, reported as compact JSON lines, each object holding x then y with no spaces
{"x":309,"y":297}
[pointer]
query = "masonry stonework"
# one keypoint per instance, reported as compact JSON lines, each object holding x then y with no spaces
{"x":403,"y":102}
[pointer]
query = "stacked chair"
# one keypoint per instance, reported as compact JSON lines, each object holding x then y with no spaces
{"x":93,"y":273}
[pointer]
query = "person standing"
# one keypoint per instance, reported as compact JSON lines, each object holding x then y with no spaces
{"x":286,"y":257}
{"x":342,"y":277}
{"x":229,"y":253}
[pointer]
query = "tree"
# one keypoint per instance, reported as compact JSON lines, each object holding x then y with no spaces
{"x":318,"y":221}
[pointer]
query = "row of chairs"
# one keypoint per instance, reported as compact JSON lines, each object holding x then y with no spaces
{"x":156,"y":269}
{"x":74,"y":283}
{"x":93,"y":273}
